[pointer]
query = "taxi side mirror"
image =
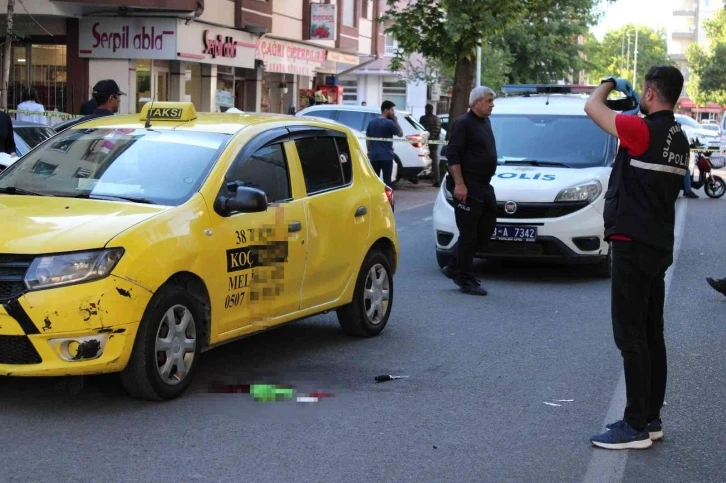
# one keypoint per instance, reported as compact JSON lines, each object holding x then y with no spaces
{"x":243,"y":200}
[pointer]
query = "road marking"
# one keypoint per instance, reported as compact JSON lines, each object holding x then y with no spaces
{"x":609,"y":465}
{"x":414,"y":207}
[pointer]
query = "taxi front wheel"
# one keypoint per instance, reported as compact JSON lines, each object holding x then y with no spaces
{"x":167,"y":348}
{"x":367,"y":314}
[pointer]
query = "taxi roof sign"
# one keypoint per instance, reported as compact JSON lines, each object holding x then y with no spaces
{"x":168,"y":111}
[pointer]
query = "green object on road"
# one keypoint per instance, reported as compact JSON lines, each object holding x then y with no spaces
{"x":270,"y":392}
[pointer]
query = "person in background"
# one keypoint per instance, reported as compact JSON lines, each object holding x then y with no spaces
{"x":107,"y":95}
{"x":432,"y":123}
{"x":687,"y":190}
{"x":31,"y":103}
{"x":88,"y":107}
{"x":7,"y":139}
{"x":380,"y":153}
{"x":364,"y":103}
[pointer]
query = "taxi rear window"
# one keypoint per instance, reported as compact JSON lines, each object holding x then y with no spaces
{"x":154,"y":166}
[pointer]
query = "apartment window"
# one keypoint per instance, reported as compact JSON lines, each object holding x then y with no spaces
{"x":349,"y":13}
{"x":391,"y":45}
{"x":396,"y":93}
{"x":350,"y":92}
{"x":368,"y":9}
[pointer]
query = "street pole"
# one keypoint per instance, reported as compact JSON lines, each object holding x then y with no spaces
{"x":627,"y":68}
{"x":478,"y":64}
{"x":7,"y":52}
{"x":635,"y":61}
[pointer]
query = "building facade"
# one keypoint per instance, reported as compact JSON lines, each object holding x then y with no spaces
{"x":255,"y":55}
{"x":686,"y":28}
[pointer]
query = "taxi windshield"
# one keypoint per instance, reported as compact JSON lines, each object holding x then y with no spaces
{"x":162,"y":167}
{"x":568,"y":141}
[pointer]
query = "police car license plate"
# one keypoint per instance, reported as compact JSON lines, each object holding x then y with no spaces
{"x":515,"y":233}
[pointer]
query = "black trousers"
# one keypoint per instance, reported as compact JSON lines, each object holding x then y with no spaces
{"x":386,"y":167}
{"x":638,"y":297}
{"x":475,"y":220}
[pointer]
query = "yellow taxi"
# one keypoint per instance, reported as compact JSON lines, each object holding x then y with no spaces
{"x":134,"y":243}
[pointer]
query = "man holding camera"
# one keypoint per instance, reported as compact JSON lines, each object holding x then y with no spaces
{"x":639,"y":216}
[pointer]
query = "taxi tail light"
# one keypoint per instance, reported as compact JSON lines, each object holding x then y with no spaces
{"x":389,"y":195}
{"x":415,"y":140}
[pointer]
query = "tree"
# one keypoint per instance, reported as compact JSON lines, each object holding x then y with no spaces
{"x":545,"y":49}
{"x":609,"y":57}
{"x":707,"y":81}
{"x":449,"y":31}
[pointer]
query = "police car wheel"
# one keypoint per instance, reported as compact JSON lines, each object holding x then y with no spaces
{"x":368,"y":313}
{"x":167,"y":348}
{"x":442,"y":259}
{"x":603,"y":269}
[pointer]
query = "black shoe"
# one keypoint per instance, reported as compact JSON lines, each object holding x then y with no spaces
{"x":448,"y":271}
{"x":470,"y":285}
{"x":718,"y":285}
{"x":691,"y":195}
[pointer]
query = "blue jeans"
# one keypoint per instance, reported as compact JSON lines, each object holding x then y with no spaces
{"x":687,"y":182}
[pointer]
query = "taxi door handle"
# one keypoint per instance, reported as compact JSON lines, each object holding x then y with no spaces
{"x":294,"y":226}
{"x":361,"y":211}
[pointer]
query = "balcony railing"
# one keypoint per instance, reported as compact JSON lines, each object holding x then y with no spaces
{"x":678,"y":56}
{"x":685,"y":11}
{"x":684,"y":33}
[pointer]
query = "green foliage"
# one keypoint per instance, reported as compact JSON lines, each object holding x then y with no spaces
{"x":609,"y":58}
{"x":707,"y":81}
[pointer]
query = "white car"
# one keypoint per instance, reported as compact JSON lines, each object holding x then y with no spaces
{"x":554,"y":166}
{"x":27,"y":135}
{"x":697,"y":134}
{"x":412,"y":159}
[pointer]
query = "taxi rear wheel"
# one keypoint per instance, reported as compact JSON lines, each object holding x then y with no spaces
{"x":167,"y":348}
{"x":368,"y":313}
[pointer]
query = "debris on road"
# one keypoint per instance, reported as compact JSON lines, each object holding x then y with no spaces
{"x":386,"y":377}
{"x":552,"y":404}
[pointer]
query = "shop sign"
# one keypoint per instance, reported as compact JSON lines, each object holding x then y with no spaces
{"x":127,"y":38}
{"x":289,"y":58}
{"x":343,"y":58}
{"x":215,"y":45}
{"x":322,"y":21}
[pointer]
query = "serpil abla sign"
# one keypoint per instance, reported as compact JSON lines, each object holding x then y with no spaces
{"x":130,"y":38}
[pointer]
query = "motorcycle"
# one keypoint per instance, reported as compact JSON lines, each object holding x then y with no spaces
{"x":713,"y":185}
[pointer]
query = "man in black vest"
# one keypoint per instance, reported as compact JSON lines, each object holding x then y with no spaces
{"x":639,"y":216}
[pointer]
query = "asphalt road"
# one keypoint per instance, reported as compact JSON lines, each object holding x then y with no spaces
{"x":473,"y":408}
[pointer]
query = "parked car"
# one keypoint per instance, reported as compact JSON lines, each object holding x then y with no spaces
{"x":27,"y":135}
{"x":696,"y":133}
{"x":412,"y":160}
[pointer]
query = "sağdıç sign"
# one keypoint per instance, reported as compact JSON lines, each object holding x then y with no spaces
{"x":289,"y":58}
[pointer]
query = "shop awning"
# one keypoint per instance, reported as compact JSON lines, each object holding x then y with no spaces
{"x":687,"y":103}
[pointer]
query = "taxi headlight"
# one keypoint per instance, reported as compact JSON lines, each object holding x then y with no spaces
{"x":584,"y":192}
{"x":54,"y":270}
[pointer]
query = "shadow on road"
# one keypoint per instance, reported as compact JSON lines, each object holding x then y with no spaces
{"x":536,"y":272}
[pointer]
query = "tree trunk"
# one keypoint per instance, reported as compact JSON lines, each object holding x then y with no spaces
{"x":463,"y":84}
{"x":7,"y":54}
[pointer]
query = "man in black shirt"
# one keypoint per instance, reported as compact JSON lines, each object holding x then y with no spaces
{"x":432,"y":123}
{"x":107,"y":95}
{"x":472,"y":158}
{"x":7,"y":139}
{"x":88,"y":107}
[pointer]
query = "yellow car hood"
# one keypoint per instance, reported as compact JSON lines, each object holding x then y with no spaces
{"x":34,"y":224}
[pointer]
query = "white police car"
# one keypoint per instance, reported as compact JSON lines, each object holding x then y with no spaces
{"x":554,"y":166}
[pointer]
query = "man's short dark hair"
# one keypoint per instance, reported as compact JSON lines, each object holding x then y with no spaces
{"x":429,"y":108}
{"x":387,"y":105}
{"x":667,"y":81}
{"x":101,"y":99}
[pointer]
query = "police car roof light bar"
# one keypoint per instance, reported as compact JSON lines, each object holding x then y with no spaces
{"x":529,"y":89}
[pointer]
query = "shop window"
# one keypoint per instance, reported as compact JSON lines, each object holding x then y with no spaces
{"x":143,"y":83}
{"x":42,"y":67}
{"x":225,"y":88}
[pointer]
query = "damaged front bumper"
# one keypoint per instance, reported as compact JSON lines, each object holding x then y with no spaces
{"x":74,"y":330}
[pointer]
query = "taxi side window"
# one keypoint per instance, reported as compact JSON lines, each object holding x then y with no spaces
{"x":325,"y":163}
{"x":267,"y":170}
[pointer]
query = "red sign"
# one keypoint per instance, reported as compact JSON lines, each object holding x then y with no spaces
{"x":220,"y":46}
